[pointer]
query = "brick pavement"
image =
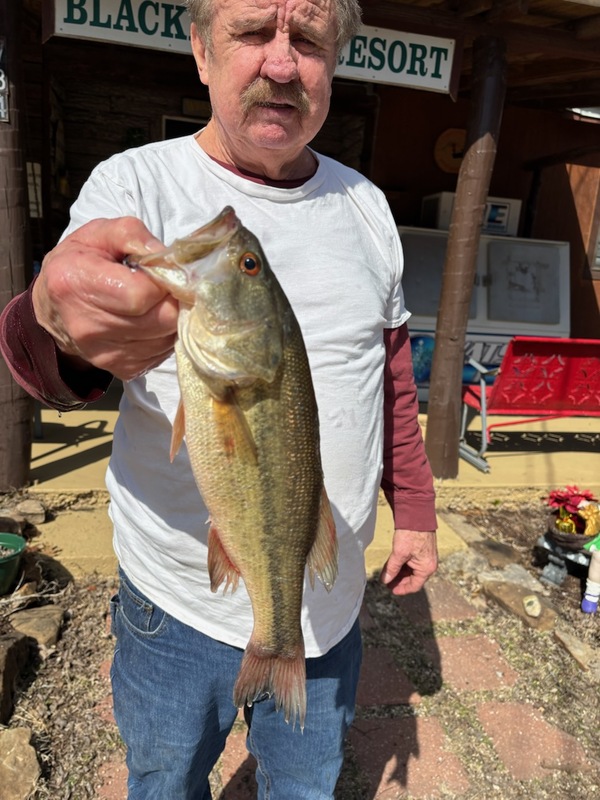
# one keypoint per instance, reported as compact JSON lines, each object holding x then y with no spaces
{"x":407,"y":753}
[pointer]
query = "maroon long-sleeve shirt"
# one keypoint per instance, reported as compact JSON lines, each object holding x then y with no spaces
{"x":36,"y":364}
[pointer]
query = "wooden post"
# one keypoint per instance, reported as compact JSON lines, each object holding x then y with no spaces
{"x":444,"y":406}
{"x":16,"y":407}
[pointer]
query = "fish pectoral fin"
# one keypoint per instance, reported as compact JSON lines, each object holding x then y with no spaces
{"x":236,"y":437}
{"x":178,"y":430}
{"x":220,"y":566}
{"x":323,"y":557}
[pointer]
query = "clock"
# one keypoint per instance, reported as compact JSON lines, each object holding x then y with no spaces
{"x":449,"y":149}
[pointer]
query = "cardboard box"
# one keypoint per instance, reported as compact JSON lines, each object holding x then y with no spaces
{"x":501,"y":216}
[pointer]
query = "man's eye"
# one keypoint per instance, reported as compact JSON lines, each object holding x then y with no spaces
{"x":305,"y":44}
{"x":252,"y":36}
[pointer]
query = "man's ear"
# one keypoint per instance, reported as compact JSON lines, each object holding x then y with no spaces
{"x":199,"y":51}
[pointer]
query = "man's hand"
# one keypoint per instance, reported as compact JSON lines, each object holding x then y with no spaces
{"x":97,"y":310}
{"x":412,"y":561}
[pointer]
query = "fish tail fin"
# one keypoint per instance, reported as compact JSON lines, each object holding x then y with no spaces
{"x":283,"y":677}
{"x":323,"y":557}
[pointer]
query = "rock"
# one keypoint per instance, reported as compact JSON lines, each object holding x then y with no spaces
{"x":465,"y":562}
{"x":514,"y":573}
{"x":19,"y":767}
{"x":532,"y":605}
{"x":33,"y":511}
{"x":510,"y":596}
{"x":587,"y":657}
{"x":32,"y":571}
{"x":497,"y":553}
{"x":11,"y":522}
{"x":42,"y":623}
{"x":14,"y":655}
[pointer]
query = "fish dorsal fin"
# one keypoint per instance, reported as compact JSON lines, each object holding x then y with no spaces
{"x":322,"y":559}
{"x":220,"y":566}
{"x":236,"y":437}
{"x":178,"y":430}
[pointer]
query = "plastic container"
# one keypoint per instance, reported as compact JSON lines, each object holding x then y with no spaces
{"x":10,"y":563}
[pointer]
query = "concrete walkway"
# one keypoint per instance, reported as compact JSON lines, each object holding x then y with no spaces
{"x":526,"y":462}
{"x":407,"y":753}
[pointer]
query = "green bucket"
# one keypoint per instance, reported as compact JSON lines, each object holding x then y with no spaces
{"x":9,"y":563}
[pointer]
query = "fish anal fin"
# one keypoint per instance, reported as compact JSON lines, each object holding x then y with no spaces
{"x":178,"y":430}
{"x":280,"y":676}
{"x":220,"y":566}
{"x":323,"y":556}
{"x":235,"y":434}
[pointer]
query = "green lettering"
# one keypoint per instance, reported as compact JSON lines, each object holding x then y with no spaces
{"x":172,"y":20}
{"x":76,"y":13}
{"x":125,"y":13}
{"x":392,"y":63}
{"x":356,"y":57}
{"x":376,"y":53}
{"x":96,"y":22}
{"x":418,"y":53}
{"x":142,"y":17}
{"x":437,"y":53}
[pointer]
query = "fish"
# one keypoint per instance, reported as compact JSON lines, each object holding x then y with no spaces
{"x":249,"y":417}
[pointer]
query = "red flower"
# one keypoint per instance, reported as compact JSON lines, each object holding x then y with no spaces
{"x":569,"y":498}
{"x":565,"y":503}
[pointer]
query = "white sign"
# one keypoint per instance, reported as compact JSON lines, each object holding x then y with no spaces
{"x":380,"y":55}
{"x":145,"y":23}
{"x":375,"y":54}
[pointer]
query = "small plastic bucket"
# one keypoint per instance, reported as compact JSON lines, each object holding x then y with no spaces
{"x":9,"y":563}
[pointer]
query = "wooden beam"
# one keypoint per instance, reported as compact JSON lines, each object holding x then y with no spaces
{"x":532,"y":73}
{"x":507,"y":11}
{"x":16,"y":407}
{"x":444,"y":405}
{"x":595,"y":3}
{"x":588,"y":28}
{"x":558,"y":95}
{"x":471,"y":8}
{"x":571,"y":156}
{"x":524,"y":38}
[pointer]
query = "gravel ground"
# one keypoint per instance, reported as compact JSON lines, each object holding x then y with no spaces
{"x":521,"y":529}
{"x":60,"y":692}
{"x":59,"y":695}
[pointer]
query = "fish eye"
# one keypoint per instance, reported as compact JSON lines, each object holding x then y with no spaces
{"x":250,"y":264}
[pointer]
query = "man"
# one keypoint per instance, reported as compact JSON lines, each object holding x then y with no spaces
{"x":331,"y":239}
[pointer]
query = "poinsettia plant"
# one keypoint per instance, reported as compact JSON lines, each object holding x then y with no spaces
{"x":565,"y":504}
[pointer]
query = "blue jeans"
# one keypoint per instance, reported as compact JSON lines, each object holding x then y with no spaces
{"x":172,"y":692}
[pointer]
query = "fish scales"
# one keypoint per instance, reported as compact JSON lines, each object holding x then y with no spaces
{"x":250,"y":421}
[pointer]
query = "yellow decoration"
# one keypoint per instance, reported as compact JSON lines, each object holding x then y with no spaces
{"x":566,"y":525}
{"x":591,"y":515}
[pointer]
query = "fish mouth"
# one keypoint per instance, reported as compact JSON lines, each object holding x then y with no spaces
{"x":170,"y":267}
{"x":207,"y":238}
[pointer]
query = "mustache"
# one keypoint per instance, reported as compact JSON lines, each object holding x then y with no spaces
{"x":263,"y":90}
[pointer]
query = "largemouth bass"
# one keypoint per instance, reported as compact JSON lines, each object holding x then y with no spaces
{"x":250,"y":421}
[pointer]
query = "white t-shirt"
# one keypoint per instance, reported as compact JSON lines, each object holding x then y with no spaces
{"x":334,"y":247}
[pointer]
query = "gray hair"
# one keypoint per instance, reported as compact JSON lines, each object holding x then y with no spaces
{"x":348,"y":19}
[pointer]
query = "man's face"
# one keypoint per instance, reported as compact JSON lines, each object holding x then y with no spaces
{"x":269,"y":69}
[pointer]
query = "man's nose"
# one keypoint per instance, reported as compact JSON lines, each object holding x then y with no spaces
{"x":280,"y":61}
